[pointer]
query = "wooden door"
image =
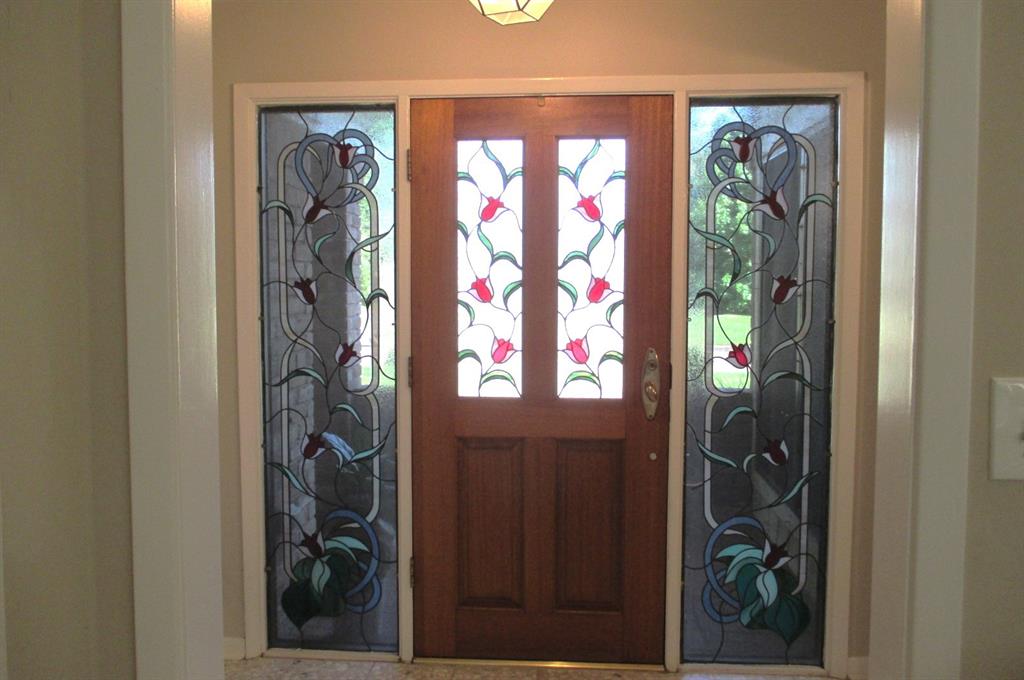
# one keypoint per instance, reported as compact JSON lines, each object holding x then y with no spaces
{"x":539,"y":516}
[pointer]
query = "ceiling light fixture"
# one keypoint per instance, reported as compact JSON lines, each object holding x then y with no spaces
{"x":512,"y":11}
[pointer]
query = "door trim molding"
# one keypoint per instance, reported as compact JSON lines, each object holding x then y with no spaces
{"x":849,"y":87}
{"x":171,"y":334}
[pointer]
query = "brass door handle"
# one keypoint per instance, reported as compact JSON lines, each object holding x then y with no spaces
{"x":650,"y":383}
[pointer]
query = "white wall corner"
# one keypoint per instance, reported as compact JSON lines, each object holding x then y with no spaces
{"x":949,"y":182}
{"x":857,"y":668}
{"x":234,"y":649}
{"x":3,"y":607}
{"x":897,"y":375}
{"x":167,"y":91}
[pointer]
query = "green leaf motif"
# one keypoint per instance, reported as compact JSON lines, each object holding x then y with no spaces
{"x":570,"y":290}
{"x":486,"y":241}
{"x":723,"y":242}
{"x":504,"y":255}
{"x":767,"y":587}
{"x":347,"y":408}
{"x":714,"y":457}
{"x":611,"y":310}
{"x":299,"y":373}
{"x":299,"y":603}
{"x":463,"y":229}
{"x":319,"y":576}
{"x":497,"y":374}
{"x":566,"y":172}
{"x":618,"y":228}
{"x":302,"y":569}
{"x":745,"y":558}
{"x":574,"y":255}
{"x":292,"y":478}
{"x":362,"y":245}
{"x":734,"y":550}
{"x":597,"y":239}
{"x":617,"y":175}
{"x":370,"y":452}
{"x":738,"y":411}
{"x":494,"y":159}
{"x":579,"y":169}
{"x":509,"y":289}
{"x":319,"y":243}
{"x":611,"y":356}
{"x":789,"y":617}
{"x":707,"y":294}
{"x":377,"y":294}
{"x":788,"y":496}
{"x":464,"y":177}
{"x":468,"y":354}
{"x":469,"y":310}
{"x":586,"y":376}
{"x":787,"y":375}
{"x":282,"y":206}
{"x":809,"y":201}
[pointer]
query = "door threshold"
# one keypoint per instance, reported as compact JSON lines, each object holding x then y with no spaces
{"x":581,"y":665}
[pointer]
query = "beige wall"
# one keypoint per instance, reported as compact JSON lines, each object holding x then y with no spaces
{"x":264,"y":41}
{"x":993,"y":643}
{"x":67,"y":542}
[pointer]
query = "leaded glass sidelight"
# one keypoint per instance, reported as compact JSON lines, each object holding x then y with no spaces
{"x":489,"y":252}
{"x":759,"y":368}
{"x":328,"y":332}
{"x":591,"y":276}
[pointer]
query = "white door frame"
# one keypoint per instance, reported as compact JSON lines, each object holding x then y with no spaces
{"x":848,"y":87}
{"x":167,"y":90}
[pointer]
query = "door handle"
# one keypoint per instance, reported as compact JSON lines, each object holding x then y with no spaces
{"x":650,"y":383}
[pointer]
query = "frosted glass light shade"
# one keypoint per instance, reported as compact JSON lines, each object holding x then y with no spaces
{"x":512,"y":11}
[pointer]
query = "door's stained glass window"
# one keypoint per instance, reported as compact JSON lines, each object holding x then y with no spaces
{"x":591,"y":276}
{"x":759,"y":373}
{"x":490,"y":267}
{"x":328,"y":336}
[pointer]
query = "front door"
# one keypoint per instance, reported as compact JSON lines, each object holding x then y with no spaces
{"x":541,"y":234}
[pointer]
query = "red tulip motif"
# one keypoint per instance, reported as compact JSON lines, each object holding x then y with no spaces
{"x":590,"y":209}
{"x":501,"y":350}
{"x":491,"y":209}
{"x":741,"y":146}
{"x":783,"y":289}
{"x":774,"y":556}
{"x":344,"y":154}
{"x":481,"y":290}
{"x":345,"y":354}
{"x":774,"y":204}
{"x":313,"y":543}
{"x":739,"y":356}
{"x":306,"y":290}
{"x":598,"y":289}
{"x":776,"y":452}
{"x":314,"y":209}
{"x":578,"y":350}
{"x":313,"y":446}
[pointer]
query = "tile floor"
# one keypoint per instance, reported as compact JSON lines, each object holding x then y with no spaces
{"x":294,"y":669}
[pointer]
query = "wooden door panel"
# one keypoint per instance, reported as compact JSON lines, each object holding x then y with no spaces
{"x":490,"y":522}
{"x":539,"y":522}
{"x":588,"y":567}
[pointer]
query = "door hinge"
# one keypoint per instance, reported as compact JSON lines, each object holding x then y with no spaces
{"x":408,"y":164}
{"x":412,"y":572}
{"x":408,"y":371}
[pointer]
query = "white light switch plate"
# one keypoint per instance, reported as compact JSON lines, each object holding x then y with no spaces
{"x":1006,"y":447}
